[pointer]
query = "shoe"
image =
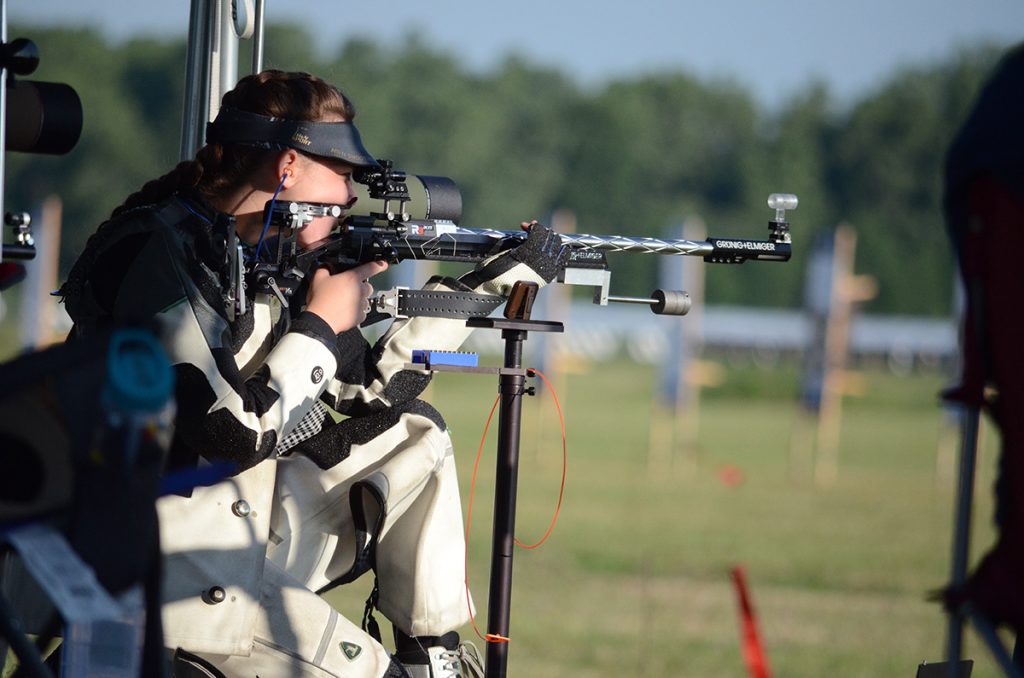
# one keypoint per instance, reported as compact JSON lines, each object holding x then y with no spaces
{"x":444,"y":657}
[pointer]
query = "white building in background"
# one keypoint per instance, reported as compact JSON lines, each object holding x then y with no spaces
{"x":741,"y":334}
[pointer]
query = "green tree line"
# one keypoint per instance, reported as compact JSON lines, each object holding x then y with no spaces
{"x":634,"y":156}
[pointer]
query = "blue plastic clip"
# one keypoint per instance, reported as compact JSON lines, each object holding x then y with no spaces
{"x":456,"y":358}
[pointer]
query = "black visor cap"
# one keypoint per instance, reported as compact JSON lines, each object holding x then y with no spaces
{"x":338,"y":140}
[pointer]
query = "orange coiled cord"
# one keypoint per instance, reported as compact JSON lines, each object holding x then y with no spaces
{"x":492,"y":637}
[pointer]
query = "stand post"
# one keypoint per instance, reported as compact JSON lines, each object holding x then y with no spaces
{"x":962,"y":529}
{"x":499,"y":605}
{"x":3,"y":118}
{"x":511,"y":386}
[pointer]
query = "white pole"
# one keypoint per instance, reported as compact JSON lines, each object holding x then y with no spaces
{"x":224,"y":56}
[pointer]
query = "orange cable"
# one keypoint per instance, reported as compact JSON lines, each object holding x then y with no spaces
{"x":565,"y":464}
{"x":493,"y":637}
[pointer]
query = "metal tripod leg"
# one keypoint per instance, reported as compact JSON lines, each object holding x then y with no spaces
{"x":962,"y":530}
{"x":971,"y":417}
{"x":987,"y":632}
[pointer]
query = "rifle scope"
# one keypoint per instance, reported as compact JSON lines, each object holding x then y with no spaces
{"x":386,"y":192}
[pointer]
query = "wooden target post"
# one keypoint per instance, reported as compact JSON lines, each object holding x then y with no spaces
{"x":674,"y":428}
{"x":833,"y":290}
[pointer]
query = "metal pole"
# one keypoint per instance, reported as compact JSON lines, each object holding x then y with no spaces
{"x":26,"y":652}
{"x":3,"y":122}
{"x":225,"y":56}
{"x":962,"y":529}
{"x":257,"y":38}
{"x":506,"y":478}
{"x":988,"y":634}
{"x":197,"y":75}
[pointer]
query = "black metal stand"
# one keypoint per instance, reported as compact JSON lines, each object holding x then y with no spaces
{"x":962,"y":530}
{"x":1011,"y":665}
{"x":512,"y":381}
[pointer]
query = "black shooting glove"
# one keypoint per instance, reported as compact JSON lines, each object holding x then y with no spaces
{"x":537,"y":259}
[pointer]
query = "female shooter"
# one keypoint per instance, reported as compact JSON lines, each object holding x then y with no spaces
{"x":313,"y":503}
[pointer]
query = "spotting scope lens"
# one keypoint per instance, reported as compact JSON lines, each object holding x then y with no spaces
{"x":42,"y":117}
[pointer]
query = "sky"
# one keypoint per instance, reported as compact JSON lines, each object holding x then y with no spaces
{"x":775,"y":48}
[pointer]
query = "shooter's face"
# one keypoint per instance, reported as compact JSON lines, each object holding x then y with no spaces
{"x":319,"y":180}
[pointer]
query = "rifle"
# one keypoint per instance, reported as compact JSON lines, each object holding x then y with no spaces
{"x":390,"y":232}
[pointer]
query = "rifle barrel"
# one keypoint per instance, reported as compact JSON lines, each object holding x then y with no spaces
{"x":445,"y":241}
{"x":610,"y":243}
{"x":621,"y":243}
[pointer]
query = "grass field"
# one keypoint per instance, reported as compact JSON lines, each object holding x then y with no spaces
{"x":635,"y":580}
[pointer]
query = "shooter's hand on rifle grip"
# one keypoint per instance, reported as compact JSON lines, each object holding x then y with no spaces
{"x":340,"y":299}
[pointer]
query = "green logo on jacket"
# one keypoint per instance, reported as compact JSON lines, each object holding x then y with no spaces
{"x":351,"y":650}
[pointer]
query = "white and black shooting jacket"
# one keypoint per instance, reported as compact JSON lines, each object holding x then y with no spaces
{"x":242,"y":387}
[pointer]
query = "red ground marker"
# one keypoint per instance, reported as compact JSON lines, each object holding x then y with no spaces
{"x":753,"y":650}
